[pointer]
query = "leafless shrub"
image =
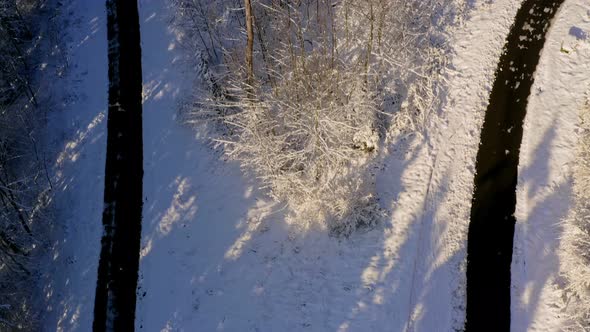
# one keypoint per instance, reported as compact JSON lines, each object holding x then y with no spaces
{"x":310,"y":122}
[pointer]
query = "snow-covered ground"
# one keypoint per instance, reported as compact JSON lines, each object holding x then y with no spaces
{"x":75,"y":138}
{"x":217,"y":255}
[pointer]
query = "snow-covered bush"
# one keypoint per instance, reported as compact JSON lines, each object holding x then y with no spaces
{"x":309,"y":118}
{"x":309,"y":139}
{"x":576,"y":238}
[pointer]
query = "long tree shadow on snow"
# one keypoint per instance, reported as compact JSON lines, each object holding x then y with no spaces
{"x":210,"y":266}
{"x":74,"y":156}
{"x":543,"y":237}
{"x":413,"y":282}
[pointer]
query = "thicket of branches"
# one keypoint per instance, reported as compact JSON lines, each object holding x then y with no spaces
{"x":576,"y":239}
{"x":308,"y":109}
{"x":22,"y":177}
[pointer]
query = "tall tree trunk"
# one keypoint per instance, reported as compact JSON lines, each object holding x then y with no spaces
{"x":250,"y":43}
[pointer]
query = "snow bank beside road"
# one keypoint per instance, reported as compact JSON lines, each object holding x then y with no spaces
{"x":75,"y":139}
{"x":548,"y":151}
{"x":450,"y":148}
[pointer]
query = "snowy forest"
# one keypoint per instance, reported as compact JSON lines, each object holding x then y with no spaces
{"x":25,"y":186}
{"x":295,"y":165}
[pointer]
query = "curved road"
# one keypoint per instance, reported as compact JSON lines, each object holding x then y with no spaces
{"x":491,"y":230}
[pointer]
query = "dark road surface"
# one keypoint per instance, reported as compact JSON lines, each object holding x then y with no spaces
{"x":491,"y":231}
{"x":114,"y":306}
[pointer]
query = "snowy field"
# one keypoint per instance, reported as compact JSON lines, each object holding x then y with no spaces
{"x":218,"y":255}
